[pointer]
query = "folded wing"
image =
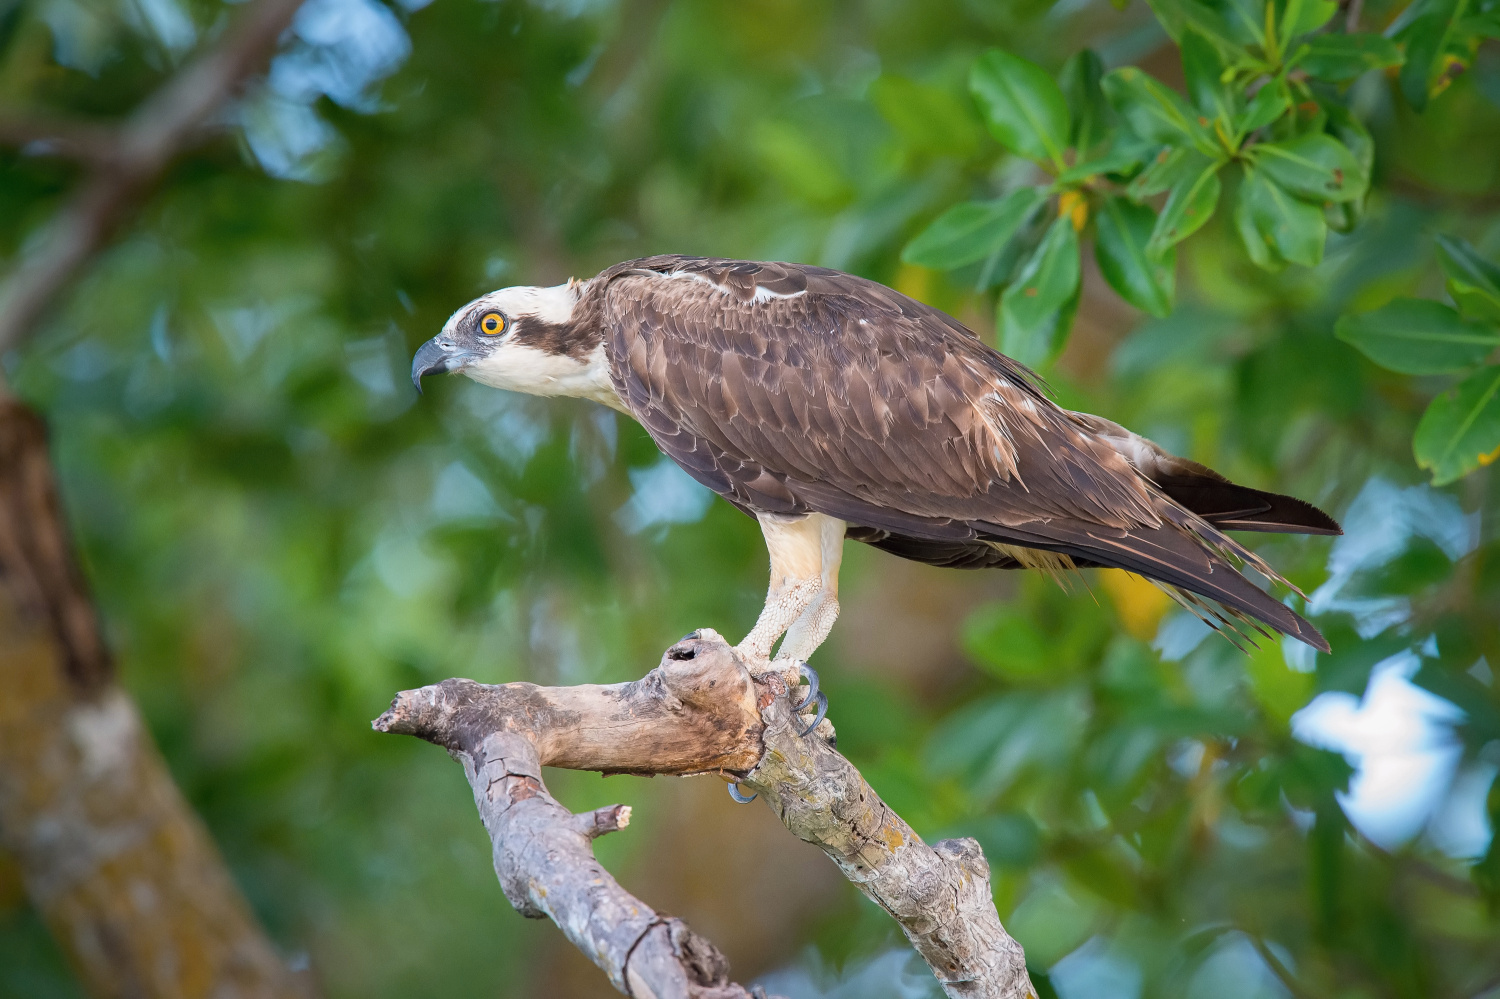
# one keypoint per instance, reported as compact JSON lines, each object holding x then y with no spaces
{"x":792,"y":389}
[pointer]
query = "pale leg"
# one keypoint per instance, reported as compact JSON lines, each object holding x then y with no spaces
{"x":805,"y":553}
{"x":814,"y":623}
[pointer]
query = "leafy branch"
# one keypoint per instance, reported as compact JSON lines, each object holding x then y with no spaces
{"x":1137,"y":167}
{"x":1460,"y":431}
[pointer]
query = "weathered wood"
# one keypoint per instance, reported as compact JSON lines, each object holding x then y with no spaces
{"x":699,"y":711}
{"x":939,"y":894}
{"x":112,"y":857}
{"x":503,"y":735}
{"x":689,"y":715}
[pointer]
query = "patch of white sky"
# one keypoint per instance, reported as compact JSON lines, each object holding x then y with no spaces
{"x":339,"y":49}
{"x":663,"y":494}
{"x":460,"y":495}
{"x":1232,"y":968}
{"x":1379,"y":526}
{"x":84,"y":35}
{"x":336,"y":48}
{"x":514,"y":425}
{"x":1096,"y":969}
{"x":1398,"y":736}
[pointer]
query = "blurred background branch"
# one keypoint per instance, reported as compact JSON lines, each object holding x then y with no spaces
{"x":126,"y":161}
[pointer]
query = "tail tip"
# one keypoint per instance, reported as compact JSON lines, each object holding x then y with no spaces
{"x":1308,"y":635}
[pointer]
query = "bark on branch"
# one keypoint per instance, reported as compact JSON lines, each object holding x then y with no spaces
{"x":699,"y":711}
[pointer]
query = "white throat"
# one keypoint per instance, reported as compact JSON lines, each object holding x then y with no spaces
{"x":520,"y":368}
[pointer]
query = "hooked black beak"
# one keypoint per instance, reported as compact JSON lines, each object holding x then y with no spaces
{"x":436,"y":357}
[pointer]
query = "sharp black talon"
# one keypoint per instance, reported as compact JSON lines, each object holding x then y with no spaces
{"x":686,"y":638}
{"x":734,"y":792}
{"x":811,"y":676}
{"x":822,"y":700}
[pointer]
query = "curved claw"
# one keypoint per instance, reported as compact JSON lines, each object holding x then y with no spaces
{"x":734,"y":792}
{"x":811,"y":676}
{"x":822,"y":700}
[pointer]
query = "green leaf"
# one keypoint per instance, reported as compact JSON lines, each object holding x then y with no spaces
{"x":1122,"y":230}
{"x":1188,"y":207}
{"x":1425,"y":73}
{"x":1281,"y":690}
{"x":973,"y":230}
{"x":798,"y":161}
{"x":1171,"y":166}
{"x":1485,"y":24}
{"x":1417,"y":336}
{"x":1301,"y":16}
{"x":1037,"y":307}
{"x":1276,"y":226}
{"x":1461,"y":429}
{"x":1087,"y":108}
{"x":1344,"y":127}
{"x":1339,"y":57}
{"x":1246,"y":21}
{"x":1473,"y":281}
{"x":1023,"y":106}
{"x":1007,"y":644}
{"x":1176,"y":16}
{"x":1154,"y":111}
{"x":1121,"y":162}
{"x":1316,"y":167}
{"x":1269,"y":103}
{"x":927,"y":118}
{"x":1350,"y":131}
{"x":1203,"y":68}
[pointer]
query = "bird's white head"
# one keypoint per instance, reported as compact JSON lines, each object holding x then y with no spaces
{"x":524,"y":339}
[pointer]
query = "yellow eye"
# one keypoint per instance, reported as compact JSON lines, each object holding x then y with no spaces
{"x":492,"y":324}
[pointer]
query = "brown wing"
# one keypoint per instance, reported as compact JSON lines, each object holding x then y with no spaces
{"x":790,"y":389}
{"x":1222,"y":503}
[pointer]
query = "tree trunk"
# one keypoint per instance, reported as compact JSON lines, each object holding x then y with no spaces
{"x":119,"y":867}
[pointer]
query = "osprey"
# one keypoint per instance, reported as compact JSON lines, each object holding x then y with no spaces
{"x":827,"y":406}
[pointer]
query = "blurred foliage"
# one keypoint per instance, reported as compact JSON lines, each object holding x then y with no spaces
{"x":280,"y":538}
{"x":1461,"y":429}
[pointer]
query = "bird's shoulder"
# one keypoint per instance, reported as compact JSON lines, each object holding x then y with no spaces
{"x":836,"y":380}
{"x":792,"y":313}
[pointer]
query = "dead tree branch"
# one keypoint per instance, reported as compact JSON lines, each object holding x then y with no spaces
{"x":126,"y":162}
{"x":114,"y":860}
{"x":939,"y":894}
{"x":699,"y":711}
{"x":682,"y":718}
